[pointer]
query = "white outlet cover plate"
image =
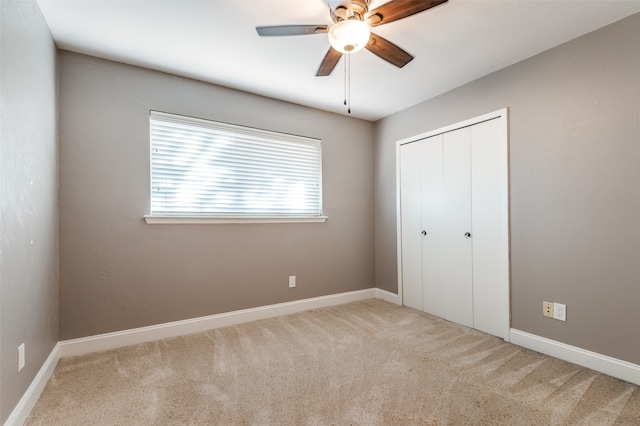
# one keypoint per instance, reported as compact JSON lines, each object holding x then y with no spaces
{"x":560,"y":311}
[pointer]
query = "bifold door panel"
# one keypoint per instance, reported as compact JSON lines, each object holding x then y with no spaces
{"x":412,"y":225}
{"x":456,"y":248}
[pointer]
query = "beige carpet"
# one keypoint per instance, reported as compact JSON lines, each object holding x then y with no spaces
{"x":365,"y":363}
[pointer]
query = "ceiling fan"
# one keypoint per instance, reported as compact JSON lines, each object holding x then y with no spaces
{"x":352,"y":29}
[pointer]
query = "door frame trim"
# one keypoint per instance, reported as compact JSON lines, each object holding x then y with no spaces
{"x":502,"y":115}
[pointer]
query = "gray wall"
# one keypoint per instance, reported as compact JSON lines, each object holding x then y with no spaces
{"x":575,"y":184}
{"x":117,"y":272}
{"x":28,"y":197}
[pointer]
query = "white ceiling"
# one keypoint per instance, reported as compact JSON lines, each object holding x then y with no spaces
{"x":215,"y":41}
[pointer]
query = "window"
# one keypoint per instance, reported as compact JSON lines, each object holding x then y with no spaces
{"x":205,"y":169}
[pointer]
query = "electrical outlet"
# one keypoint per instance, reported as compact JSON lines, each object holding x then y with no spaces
{"x":547,"y":309}
{"x":292,"y":281}
{"x":21,"y":357}
{"x":560,"y":311}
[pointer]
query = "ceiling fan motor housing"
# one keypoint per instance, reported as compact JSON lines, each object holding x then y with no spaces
{"x":354,"y":9}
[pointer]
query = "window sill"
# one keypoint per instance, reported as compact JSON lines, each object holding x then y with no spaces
{"x":191,"y":220}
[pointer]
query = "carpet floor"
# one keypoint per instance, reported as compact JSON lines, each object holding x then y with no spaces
{"x":363,"y":363}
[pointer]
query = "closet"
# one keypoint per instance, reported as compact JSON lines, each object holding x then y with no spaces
{"x":454,"y":223}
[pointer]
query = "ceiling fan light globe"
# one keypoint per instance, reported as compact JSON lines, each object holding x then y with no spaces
{"x":349,"y":36}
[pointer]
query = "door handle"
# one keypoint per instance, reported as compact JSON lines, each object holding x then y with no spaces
{"x":424,"y":232}
{"x":467,"y":235}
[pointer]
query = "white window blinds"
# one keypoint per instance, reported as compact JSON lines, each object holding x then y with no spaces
{"x":208,"y":169}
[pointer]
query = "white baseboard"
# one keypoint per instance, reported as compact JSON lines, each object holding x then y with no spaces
{"x":118,"y":339}
{"x":28,"y":401}
{"x":134,"y":336}
{"x":604,"y":364}
{"x":387,"y":296}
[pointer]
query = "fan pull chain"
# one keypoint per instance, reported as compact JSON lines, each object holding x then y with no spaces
{"x":345,"y":79}
{"x":347,"y":82}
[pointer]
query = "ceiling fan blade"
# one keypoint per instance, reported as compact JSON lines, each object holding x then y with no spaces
{"x":329,"y":62}
{"x":398,"y":9}
{"x":291,"y":30}
{"x":388,"y":51}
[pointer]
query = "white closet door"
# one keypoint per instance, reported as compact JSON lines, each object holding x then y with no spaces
{"x":411,"y":237}
{"x":456,"y":246}
{"x":454,"y":186}
{"x":434,"y":270}
{"x":490,"y":228}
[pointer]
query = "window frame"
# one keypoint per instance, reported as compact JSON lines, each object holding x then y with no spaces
{"x":242,"y":131}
